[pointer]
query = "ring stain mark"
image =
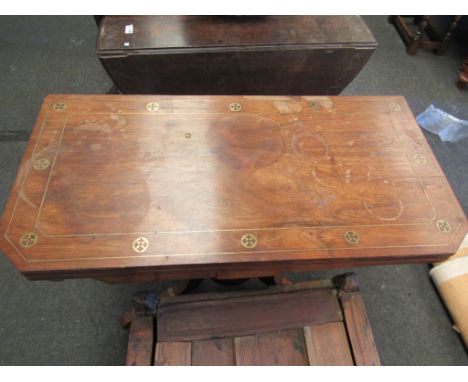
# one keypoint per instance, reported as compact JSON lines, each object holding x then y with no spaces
{"x":338,"y":176}
{"x":372,"y":209}
{"x":307,"y":144}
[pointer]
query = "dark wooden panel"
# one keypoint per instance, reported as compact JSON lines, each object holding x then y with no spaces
{"x":359,"y":331}
{"x":246,"y":315}
{"x":169,"y":32}
{"x":281,"y":348}
{"x":234,"y":55}
{"x":284,"y":183}
{"x":327,"y":345}
{"x":214,"y":352}
{"x":173,"y":354}
{"x":302,"y":70}
{"x":140,"y":342}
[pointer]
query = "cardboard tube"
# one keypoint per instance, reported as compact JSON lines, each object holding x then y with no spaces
{"x":451,"y":279}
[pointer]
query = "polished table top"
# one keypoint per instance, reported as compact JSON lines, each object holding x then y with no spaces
{"x":191,"y":186}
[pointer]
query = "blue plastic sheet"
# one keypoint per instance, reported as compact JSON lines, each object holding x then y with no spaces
{"x":446,"y":126}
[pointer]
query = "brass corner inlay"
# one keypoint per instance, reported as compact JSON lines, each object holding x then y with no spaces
{"x":351,"y":237}
{"x":394,"y":106}
{"x":28,"y":240}
{"x":314,"y":105}
{"x":443,"y":226}
{"x":41,"y":164}
{"x":419,"y":158}
{"x":59,"y":106}
{"x":140,"y":244}
{"x":152,"y":106}
{"x":249,"y":241}
{"x":235,"y":106}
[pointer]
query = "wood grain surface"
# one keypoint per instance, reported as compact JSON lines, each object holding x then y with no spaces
{"x":182,"y":186}
{"x":359,"y":330}
{"x":246,"y":315}
{"x":140,"y":343}
{"x":277,"y":329}
{"x":327,"y":344}
{"x":172,"y":32}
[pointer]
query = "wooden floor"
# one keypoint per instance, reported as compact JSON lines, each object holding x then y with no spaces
{"x":310,"y":323}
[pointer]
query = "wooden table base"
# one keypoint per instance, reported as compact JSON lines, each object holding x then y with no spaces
{"x":321,"y":322}
{"x":415,"y":38}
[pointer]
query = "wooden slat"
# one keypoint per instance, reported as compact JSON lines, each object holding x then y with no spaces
{"x":246,"y":351}
{"x":285,"y":347}
{"x":327,"y":345}
{"x":359,"y":330}
{"x":173,"y":354}
{"x":140,"y":342}
{"x":245,"y":316}
{"x":215,"y":352}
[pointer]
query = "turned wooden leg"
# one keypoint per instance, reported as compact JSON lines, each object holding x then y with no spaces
{"x":443,"y":46}
{"x":415,"y":41}
{"x":463,"y":77}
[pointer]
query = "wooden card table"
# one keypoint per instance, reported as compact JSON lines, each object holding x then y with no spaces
{"x":142,"y":188}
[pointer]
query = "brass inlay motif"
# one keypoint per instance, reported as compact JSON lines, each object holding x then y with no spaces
{"x":394,"y":106}
{"x":419,"y":158}
{"x":188,"y":135}
{"x":140,"y":244}
{"x":314,"y":105}
{"x":41,"y":164}
{"x":28,"y":240}
{"x":59,"y":106}
{"x":235,"y":106}
{"x":152,"y":106}
{"x":351,"y":237}
{"x":443,"y":226}
{"x":249,"y":241}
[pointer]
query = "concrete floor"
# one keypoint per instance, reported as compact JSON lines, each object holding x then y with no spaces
{"x":75,"y":322}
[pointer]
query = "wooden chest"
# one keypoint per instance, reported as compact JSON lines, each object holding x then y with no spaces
{"x":132,"y":188}
{"x":233,"y":55}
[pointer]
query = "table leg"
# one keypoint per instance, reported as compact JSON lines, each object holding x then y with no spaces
{"x":443,"y":46}
{"x":415,"y":40}
{"x":463,"y":77}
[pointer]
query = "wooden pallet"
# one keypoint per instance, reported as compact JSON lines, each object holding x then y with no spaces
{"x":308,"y":323}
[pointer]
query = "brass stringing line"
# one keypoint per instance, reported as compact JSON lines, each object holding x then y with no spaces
{"x":456,"y":213}
{"x":231,"y":253}
{"x":415,"y":172}
{"x":51,"y":170}
{"x":50,"y":174}
{"x":5,"y":235}
{"x":231,"y":230}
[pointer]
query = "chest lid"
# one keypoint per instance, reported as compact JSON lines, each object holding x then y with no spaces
{"x":230,"y":32}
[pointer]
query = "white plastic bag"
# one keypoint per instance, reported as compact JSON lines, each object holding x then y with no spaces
{"x":446,"y":126}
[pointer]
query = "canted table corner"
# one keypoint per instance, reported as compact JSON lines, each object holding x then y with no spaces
{"x":133,"y":188}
